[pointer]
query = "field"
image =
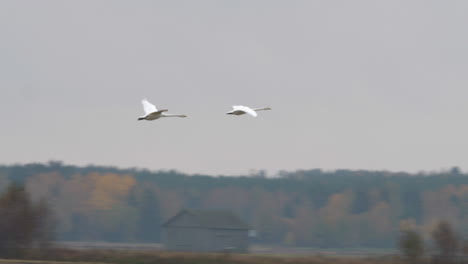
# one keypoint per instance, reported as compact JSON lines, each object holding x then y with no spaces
{"x":255,"y":250}
{"x":73,"y":252}
{"x":21,"y":261}
{"x":137,"y":257}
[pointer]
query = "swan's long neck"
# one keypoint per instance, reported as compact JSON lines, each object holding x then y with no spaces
{"x":263,"y":108}
{"x":169,"y":115}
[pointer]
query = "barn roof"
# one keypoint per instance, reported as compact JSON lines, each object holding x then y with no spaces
{"x":218,"y":219}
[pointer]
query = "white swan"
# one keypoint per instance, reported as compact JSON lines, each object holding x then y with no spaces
{"x":151,"y":113}
{"x":241,"y":110}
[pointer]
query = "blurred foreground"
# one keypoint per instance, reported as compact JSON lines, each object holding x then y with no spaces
{"x":147,"y":257}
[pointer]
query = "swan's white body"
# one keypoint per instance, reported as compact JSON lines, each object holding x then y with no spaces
{"x":242,"y":110}
{"x":151,"y":113}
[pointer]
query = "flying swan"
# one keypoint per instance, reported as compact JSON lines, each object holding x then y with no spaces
{"x":241,"y":110}
{"x":151,"y":113}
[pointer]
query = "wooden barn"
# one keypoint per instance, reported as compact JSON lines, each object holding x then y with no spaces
{"x":205,"y":230}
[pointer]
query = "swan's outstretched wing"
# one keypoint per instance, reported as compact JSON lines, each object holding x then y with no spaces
{"x":245,"y":109}
{"x":148,"y":107}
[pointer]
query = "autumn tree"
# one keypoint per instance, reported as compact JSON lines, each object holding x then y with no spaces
{"x":411,"y":246}
{"x":23,"y":224}
{"x":446,"y":243}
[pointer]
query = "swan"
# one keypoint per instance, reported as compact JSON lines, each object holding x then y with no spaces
{"x":151,"y":113}
{"x":241,"y":110}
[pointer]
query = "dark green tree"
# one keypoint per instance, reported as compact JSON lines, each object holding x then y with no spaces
{"x":361,"y":202}
{"x":149,"y":223}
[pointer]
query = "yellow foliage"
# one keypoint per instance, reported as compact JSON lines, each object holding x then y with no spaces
{"x":337,"y":207}
{"x":43,"y":185}
{"x":109,"y":189}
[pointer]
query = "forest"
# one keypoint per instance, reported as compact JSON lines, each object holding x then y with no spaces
{"x":307,"y":208}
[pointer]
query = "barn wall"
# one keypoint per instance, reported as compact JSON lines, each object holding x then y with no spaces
{"x":208,"y":240}
{"x":185,"y":239}
{"x":227,"y":239}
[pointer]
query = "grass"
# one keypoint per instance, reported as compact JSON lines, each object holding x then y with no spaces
{"x":63,"y":256}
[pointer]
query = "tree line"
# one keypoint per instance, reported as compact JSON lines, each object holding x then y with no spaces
{"x":310,"y":208}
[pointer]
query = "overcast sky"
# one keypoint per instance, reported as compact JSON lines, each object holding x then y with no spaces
{"x":353,"y":84}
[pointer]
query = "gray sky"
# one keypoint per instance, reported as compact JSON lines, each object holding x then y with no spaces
{"x":353,"y":84}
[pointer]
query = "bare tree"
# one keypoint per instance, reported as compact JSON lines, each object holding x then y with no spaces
{"x":446,"y":242}
{"x":21,"y":222}
{"x":411,"y":246}
{"x":464,"y":252}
